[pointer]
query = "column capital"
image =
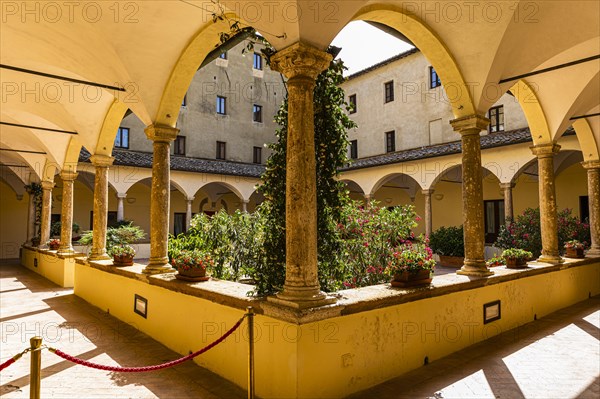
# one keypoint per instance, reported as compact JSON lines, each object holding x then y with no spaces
{"x":545,"y":150}
{"x":428,"y":192}
{"x":591,"y":164}
{"x":122,"y":195}
{"x":506,"y":186}
{"x":48,"y":185}
{"x":190,"y":199}
{"x":102,"y":160}
{"x":300,"y":61}
{"x":67,"y":175}
{"x":161,"y":133}
{"x":470,"y":125}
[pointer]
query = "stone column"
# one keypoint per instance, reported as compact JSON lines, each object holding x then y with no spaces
{"x":161,"y":136}
{"x":47,"y":187}
{"x":593,"y":181}
{"x":188,"y":213}
{"x":66,"y":218}
{"x":508,"y":201}
{"x":428,"y":212}
{"x":121,"y":206}
{"x":548,"y":215}
{"x":301,"y":64}
{"x":101,"y":163}
{"x":245,"y":206}
{"x":469,"y":128}
{"x":30,"y":218}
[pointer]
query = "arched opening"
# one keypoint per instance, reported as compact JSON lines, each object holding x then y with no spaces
{"x":214,"y":197}
{"x":355,"y":190}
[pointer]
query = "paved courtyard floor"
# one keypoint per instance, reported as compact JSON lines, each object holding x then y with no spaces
{"x":556,"y":357}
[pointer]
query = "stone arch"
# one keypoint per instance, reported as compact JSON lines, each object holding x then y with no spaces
{"x":534,"y":113}
{"x":586,"y":139}
{"x":454,"y":171}
{"x":354,"y":188}
{"x":410,"y":182}
{"x":225,"y":185}
{"x":457,"y":91}
{"x":108,"y":132}
{"x":186,"y":67}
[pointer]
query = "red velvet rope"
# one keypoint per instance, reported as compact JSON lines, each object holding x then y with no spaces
{"x":7,"y":363}
{"x":148,"y":368}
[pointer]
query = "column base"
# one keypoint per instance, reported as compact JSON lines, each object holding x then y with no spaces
{"x":302,"y":298}
{"x":100,"y":256}
{"x":158,"y":266}
{"x":593,"y":252}
{"x":65,"y":251}
{"x":474,"y":268}
{"x":552,"y":259}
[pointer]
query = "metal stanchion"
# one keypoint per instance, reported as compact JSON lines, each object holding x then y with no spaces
{"x":35,"y":368}
{"x":250,"y":352}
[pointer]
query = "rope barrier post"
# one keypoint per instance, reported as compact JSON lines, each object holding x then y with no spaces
{"x":250,"y":315}
{"x":35,"y":368}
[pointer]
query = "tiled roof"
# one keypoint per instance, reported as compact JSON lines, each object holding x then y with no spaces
{"x":489,"y":141}
{"x":198,"y":165}
{"x":383,"y":63}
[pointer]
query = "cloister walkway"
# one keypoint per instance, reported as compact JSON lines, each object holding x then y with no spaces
{"x":554,"y":357}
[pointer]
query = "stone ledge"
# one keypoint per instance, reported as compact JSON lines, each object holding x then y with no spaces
{"x":349,"y":302}
{"x":76,"y":255}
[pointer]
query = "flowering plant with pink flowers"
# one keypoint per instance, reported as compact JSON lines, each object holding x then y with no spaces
{"x":186,"y":260}
{"x":574,"y":244}
{"x":410,"y":257}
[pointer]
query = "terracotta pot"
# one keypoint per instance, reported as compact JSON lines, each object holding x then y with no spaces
{"x":196,"y":274}
{"x":516,"y":263}
{"x":452,"y":261}
{"x":122,"y":260}
{"x":53,"y":247}
{"x":575,"y":253}
{"x":407,"y":279}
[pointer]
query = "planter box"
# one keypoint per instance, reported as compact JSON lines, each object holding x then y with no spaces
{"x":513,"y":263}
{"x":406,"y":279}
{"x":574,"y":253}
{"x":452,"y":261}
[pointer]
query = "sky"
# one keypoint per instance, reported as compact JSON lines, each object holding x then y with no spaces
{"x":364,"y":45}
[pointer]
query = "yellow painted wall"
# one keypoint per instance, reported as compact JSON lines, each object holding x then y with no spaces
{"x":342,"y":355}
{"x":58,"y":270}
{"x":575,"y":179}
{"x":13,"y":222}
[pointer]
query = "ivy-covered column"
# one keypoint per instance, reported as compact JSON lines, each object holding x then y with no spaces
{"x":161,"y":136}
{"x":548,"y":215}
{"x":469,"y":128}
{"x":66,"y":218}
{"x":428,"y":212}
{"x":593,"y":182}
{"x":31,"y":191}
{"x":508,"y":200}
{"x":301,"y":64}
{"x":101,"y":163}
{"x":47,"y":187}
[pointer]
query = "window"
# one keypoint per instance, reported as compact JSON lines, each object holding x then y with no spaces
{"x":584,"y":208}
{"x":494,"y":218}
{"x":352,"y":101}
{"x":389,"y":91}
{"x":122,"y":139}
{"x":390,"y":141}
{"x":257,"y":155}
{"x":221,"y":150}
{"x":184,"y":102}
{"x":257,"y":113}
{"x":496,"y":115}
{"x":221,"y":105}
{"x":434,"y":79}
{"x":258,"y":62}
{"x":353,"y":150}
{"x":223,"y":55}
{"x":179,"y":145}
{"x":179,"y":225}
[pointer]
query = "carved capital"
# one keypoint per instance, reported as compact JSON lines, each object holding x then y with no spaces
{"x":591,"y":164}
{"x":161,"y":134}
{"x":507,"y":186}
{"x":545,"y":150}
{"x":300,"y":61}
{"x":67,"y":175}
{"x":102,"y":160}
{"x":122,"y":195}
{"x":47,"y":185}
{"x":470,"y":125}
{"x":428,"y":193}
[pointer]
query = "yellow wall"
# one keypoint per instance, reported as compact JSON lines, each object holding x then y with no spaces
{"x":13,"y":222}
{"x":56,"y":269}
{"x":356,"y":351}
{"x":575,"y":179}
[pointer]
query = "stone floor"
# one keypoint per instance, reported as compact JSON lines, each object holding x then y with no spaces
{"x":556,"y":357}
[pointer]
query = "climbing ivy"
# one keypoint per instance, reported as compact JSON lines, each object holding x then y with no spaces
{"x":35,"y":189}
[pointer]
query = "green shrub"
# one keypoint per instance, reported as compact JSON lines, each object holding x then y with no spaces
{"x":448,"y":241}
{"x":124,"y":235}
{"x":55,"y":229}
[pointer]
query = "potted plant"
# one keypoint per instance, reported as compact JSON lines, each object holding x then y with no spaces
{"x":496,"y":261}
{"x":516,"y":258}
{"x":192,"y":265}
{"x":411,"y":265}
{"x":122,"y":255}
{"x":53,"y":244}
{"x":574,"y":249}
{"x":448,"y":243}
{"x":122,"y":236}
